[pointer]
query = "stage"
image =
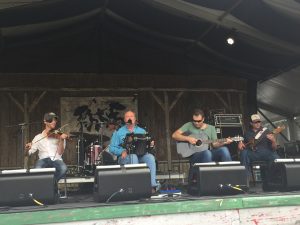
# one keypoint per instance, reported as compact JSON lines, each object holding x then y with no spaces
{"x":253,"y":207}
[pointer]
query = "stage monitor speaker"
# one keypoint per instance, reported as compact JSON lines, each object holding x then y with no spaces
{"x":282,"y":175}
{"x":22,"y":187}
{"x":292,"y":149}
{"x":122,"y":183}
{"x":224,"y":178}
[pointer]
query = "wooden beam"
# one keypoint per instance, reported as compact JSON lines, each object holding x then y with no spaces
{"x":158,"y":100}
{"x":176,"y":100}
{"x":222,"y":100}
{"x":36,"y":101}
{"x":18,"y":104}
{"x":167,"y":125}
{"x":165,"y":107}
{"x":30,"y":89}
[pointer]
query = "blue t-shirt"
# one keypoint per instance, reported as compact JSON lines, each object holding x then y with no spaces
{"x":118,"y":138}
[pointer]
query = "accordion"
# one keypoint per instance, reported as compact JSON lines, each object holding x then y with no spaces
{"x":138,"y":144}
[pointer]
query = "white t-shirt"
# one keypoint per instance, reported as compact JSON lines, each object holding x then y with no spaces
{"x":47,"y":147}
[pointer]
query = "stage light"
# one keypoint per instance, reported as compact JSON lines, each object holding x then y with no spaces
{"x":230,"y":40}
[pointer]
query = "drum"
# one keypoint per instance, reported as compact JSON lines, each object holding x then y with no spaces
{"x":92,"y":154}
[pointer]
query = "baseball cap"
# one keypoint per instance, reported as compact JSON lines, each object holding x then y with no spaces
{"x":48,"y":117}
{"x":255,"y":118}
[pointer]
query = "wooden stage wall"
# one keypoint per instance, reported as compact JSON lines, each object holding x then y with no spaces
{"x":26,"y":97}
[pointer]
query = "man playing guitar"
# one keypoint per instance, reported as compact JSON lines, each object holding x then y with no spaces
{"x":259,"y":145}
{"x":197,"y":127}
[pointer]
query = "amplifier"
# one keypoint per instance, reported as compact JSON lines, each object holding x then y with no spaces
{"x":121,"y":183}
{"x":218,"y":178}
{"x":21,"y":187}
{"x":228,"y":120}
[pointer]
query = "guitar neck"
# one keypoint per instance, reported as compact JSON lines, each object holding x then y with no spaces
{"x":216,"y":140}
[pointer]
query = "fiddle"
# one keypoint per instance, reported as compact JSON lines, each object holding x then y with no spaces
{"x":57,"y":134}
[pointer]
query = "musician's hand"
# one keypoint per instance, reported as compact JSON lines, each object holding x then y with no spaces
{"x":192,"y":140}
{"x":28,"y":146}
{"x":228,"y":141}
{"x":124,"y":154}
{"x":271,"y":137}
{"x":64,"y":136}
{"x":241,"y":145}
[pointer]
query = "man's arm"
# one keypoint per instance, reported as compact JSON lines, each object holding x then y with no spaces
{"x":178,"y":136}
{"x":272,"y":139}
{"x":61,"y":144}
{"x":214,"y":136}
{"x":115,"y":142}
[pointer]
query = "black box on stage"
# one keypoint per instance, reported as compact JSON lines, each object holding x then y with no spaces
{"x":21,"y":187}
{"x":230,"y":131}
{"x":292,"y":149}
{"x":122,"y":183}
{"x":224,"y":178}
{"x":282,"y":175}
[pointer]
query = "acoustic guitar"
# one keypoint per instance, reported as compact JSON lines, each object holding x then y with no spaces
{"x":185,"y":149}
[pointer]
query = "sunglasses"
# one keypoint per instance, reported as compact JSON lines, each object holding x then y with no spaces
{"x":257,"y":122}
{"x":198,"y":121}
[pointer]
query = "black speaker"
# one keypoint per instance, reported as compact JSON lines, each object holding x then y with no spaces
{"x":282,"y":175}
{"x":225,"y":132}
{"x":22,"y":187}
{"x":122,"y":183}
{"x":292,"y":149}
{"x":217,"y":178}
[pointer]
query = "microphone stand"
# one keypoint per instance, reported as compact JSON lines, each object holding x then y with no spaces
{"x":80,"y":152}
{"x":22,"y":127}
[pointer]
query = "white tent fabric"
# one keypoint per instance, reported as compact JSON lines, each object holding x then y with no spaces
{"x":247,"y":33}
{"x":289,"y":8}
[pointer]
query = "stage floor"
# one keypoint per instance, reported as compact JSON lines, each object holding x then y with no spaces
{"x":80,"y":205}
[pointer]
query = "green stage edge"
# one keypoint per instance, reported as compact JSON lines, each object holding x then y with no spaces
{"x":146,"y":209}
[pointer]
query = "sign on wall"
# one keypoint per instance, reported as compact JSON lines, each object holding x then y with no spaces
{"x":90,"y":113}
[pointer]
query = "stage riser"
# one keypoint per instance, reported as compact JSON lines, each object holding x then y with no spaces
{"x":135,"y":183}
{"x":215,"y":180}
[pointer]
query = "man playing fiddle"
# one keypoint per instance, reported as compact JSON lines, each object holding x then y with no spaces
{"x":50,"y":146}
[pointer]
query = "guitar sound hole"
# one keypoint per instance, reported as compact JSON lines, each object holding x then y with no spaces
{"x":198,"y":143}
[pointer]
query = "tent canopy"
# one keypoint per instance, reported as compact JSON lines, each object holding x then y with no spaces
{"x":159,"y":37}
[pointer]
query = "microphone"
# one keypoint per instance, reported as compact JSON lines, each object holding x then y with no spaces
{"x":129,"y":122}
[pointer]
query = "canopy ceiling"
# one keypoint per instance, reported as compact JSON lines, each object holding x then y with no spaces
{"x":151,"y":36}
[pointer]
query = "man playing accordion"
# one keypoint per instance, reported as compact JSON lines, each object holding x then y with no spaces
{"x":128,"y":143}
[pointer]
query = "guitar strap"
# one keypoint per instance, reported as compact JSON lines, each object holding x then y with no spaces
{"x":258,"y":135}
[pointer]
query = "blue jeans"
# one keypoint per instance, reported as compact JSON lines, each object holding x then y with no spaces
{"x":247,"y":156}
{"x":59,"y":165}
{"x":221,"y":154}
{"x":147,"y":158}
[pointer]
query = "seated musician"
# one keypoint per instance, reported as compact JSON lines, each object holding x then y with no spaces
{"x":124,"y":156}
{"x":259,"y":144}
{"x":196,"y":128}
{"x":50,"y":145}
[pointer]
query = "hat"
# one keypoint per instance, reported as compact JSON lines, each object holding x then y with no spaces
{"x":255,"y":117}
{"x":48,"y":117}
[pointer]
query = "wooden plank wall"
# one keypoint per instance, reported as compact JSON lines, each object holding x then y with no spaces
{"x":150,"y":112}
